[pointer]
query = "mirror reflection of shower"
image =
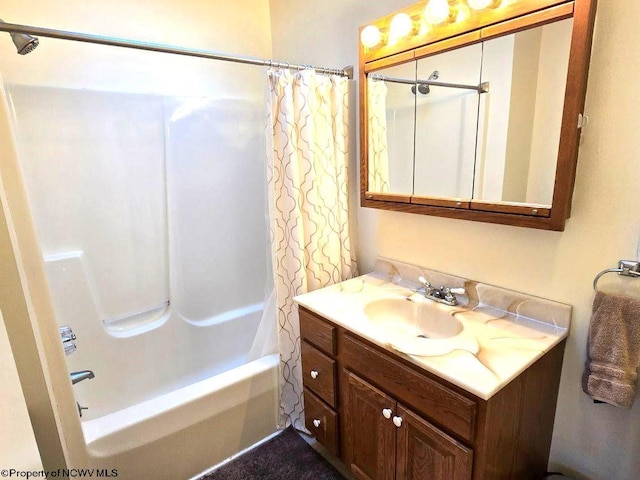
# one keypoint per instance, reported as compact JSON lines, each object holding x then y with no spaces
{"x":25,"y":43}
{"x":423,"y":88}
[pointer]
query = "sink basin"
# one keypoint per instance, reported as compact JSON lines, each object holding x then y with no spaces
{"x":401,"y":317}
{"x":418,"y":327}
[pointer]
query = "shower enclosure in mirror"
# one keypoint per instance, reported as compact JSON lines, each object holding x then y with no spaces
{"x":477,"y":118}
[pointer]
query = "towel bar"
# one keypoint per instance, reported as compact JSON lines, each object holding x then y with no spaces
{"x":628,"y":268}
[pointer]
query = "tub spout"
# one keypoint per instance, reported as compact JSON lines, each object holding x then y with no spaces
{"x":77,"y":377}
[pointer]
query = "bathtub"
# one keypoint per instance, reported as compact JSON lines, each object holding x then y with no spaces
{"x":170,"y":397}
{"x":182,"y":433}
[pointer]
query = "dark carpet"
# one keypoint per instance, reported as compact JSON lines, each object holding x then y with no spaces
{"x":284,"y":457}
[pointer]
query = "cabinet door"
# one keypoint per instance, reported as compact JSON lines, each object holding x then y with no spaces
{"x":370,"y":437}
{"x":424,"y":452}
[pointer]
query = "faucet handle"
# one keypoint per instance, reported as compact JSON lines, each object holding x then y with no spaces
{"x":68,"y":339}
{"x":428,"y":288}
{"x":449,"y":294}
{"x":69,"y":348}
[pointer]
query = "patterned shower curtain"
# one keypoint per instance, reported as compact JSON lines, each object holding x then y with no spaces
{"x":378,"y":151}
{"x":307,"y":128}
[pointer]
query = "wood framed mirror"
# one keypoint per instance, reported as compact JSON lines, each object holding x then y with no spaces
{"x":479,"y":116}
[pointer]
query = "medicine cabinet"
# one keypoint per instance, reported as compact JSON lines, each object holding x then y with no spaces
{"x":477,"y":117}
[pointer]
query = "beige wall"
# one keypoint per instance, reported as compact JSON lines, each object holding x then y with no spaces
{"x":598,"y":441}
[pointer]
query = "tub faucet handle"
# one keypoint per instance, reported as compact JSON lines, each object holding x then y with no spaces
{"x":68,"y":339}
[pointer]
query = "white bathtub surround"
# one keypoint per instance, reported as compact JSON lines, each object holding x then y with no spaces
{"x":500,"y":332}
{"x":153,"y":359}
{"x":162,"y":281}
{"x":307,"y":175}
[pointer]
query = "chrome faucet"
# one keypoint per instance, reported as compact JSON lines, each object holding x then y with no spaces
{"x":77,"y":377}
{"x":442,"y":294}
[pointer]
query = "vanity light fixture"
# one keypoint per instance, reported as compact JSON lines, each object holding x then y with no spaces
{"x":440,"y":11}
{"x":370,"y":36}
{"x":436,"y":12}
{"x":480,"y":4}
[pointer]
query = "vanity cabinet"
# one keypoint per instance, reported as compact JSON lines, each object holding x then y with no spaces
{"x":387,"y":418}
{"x":319,"y":380}
{"x":385,"y":440}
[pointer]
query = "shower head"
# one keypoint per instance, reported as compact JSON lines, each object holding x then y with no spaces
{"x":24,"y":43}
{"x":424,"y":88}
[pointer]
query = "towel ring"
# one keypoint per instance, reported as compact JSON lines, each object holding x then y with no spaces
{"x":627,"y":268}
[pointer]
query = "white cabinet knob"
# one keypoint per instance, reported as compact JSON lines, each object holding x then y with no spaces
{"x":316,"y":423}
{"x":397,"y":421}
{"x":314,"y":374}
{"x":386,"y":412}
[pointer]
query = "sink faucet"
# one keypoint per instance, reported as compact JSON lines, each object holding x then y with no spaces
{"x":77,"y":377}
{"x":442,"y":294}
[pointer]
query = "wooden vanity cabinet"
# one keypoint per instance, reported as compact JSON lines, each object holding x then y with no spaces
{"x":319,"y":377}
{"x":389,"y":419}
{"x":397,"y":444}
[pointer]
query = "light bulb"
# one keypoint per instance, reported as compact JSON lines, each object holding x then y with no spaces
{"x":462,"y":12}
{"x":437,"y":11}
{"x":401,"y":26}
{"x":480,"y":4}
{"x":370,"y":36}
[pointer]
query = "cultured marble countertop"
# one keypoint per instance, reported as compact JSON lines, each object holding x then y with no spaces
{"x":494,"y":346}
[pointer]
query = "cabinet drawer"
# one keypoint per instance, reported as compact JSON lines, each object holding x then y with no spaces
{"x":440,"y":405}
{"x":317,"y":332}
{"x":317,"y":364}
{"x":326,"y":431}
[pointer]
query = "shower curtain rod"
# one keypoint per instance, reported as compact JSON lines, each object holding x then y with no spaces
{"x":482,"y":88}
{"x":158,"y":47}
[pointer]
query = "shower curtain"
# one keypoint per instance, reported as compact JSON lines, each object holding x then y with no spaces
{"x":378,"y":149}
{"x":307,"y":182}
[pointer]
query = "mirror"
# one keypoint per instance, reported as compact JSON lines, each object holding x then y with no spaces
{"x":482,"y":126}
{"x":446,"y":123}
{"x":520,"y":118}
{"x":391,"y":130}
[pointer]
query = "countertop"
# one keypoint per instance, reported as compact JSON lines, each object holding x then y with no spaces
{"x":496,"y":343}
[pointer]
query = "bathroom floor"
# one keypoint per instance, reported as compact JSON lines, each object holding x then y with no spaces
{"x":287,"y":456}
